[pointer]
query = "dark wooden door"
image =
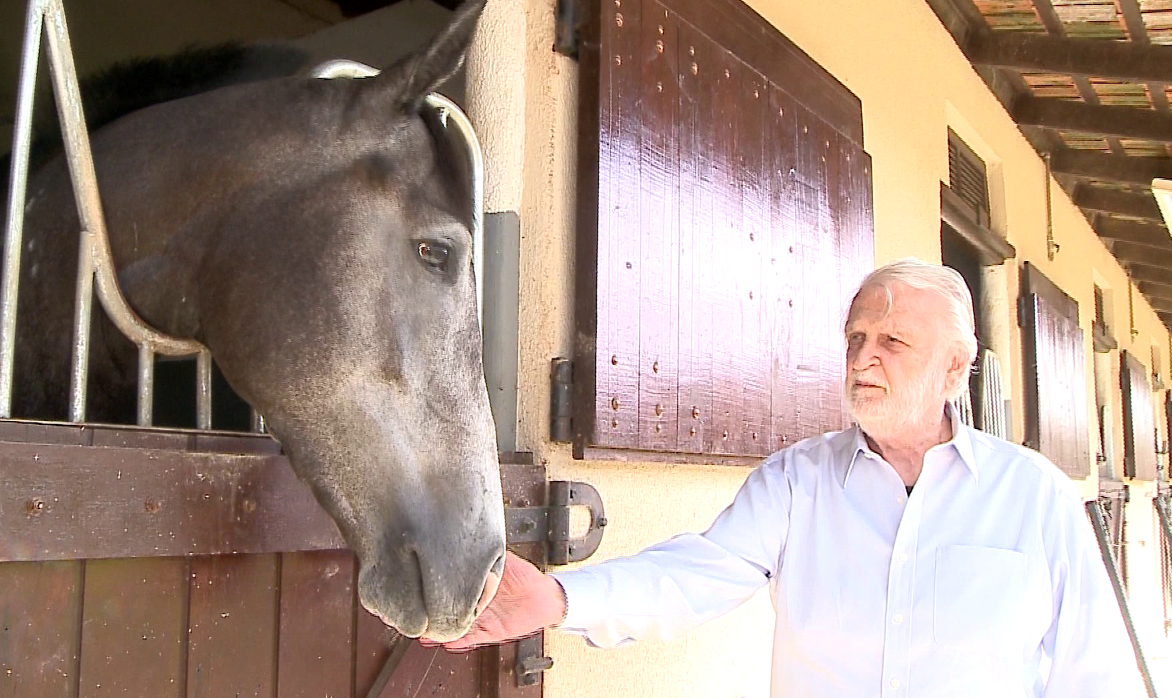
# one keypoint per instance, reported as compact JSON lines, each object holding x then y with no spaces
{"x":146,"y":563}
{"x":724,"y":219}
{"x":1055,"y":374}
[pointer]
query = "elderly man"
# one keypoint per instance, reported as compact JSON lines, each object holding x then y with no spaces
{"x":907,"y":556}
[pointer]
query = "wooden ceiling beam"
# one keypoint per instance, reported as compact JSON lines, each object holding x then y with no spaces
{"x":1153,"y":288}
{"x":1132,"y":253}
{"x":1089,"y":57}
{"x":1096,"y":165}
{"x":1115,"y":201}
{"x":1160,"y":304}
{"x":1140,"y":272}
{"x":1127,"y":122}
{"x":1124,"y":231}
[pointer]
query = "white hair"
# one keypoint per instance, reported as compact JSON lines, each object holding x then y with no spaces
{"x":918,"y":274}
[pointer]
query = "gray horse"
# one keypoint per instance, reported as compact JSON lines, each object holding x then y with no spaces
{"x":314,"y":234}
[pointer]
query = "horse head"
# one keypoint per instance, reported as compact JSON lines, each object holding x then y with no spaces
{"x":315,"y":235}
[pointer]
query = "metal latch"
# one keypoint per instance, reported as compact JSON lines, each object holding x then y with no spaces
{"x":551,"y":524}
{"x":531,"y":660}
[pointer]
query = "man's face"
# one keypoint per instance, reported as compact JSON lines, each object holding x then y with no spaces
{"x":896,"y":359}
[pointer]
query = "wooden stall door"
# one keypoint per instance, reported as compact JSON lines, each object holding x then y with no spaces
{"x":724,"y":219}
{"x":117,"y":577}
{"x":1055,"y":386}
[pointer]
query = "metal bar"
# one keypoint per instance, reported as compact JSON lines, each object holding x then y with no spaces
{"x":1099,"y":523}
{"x":258,"y":422}
{"x":203,"y":390}
{"x":17,"y":191}
{"x":146,"y":385}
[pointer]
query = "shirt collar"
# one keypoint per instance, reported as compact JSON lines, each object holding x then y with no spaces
{"x":961,"y":441}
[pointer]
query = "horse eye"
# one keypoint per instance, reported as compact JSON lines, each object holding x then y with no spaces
{"x":434,"y":255}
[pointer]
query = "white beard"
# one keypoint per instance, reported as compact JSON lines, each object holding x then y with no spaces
{"x":899,"y":408}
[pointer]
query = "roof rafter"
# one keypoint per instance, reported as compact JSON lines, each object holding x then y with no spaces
{"x":1115,"y":201}
{"x":1090,"y":57}
{"x":1130,"y":122}
{"x":1118,"y":168}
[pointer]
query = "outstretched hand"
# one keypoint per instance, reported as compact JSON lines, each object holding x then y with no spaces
{"x":526,"y":601}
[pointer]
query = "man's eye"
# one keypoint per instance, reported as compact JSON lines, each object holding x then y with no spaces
{"x":434,"y":254}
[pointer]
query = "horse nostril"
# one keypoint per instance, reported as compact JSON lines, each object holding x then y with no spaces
{"x":498,"y":567}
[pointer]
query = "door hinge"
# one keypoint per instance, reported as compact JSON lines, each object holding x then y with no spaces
{"x":551,"y":524}
{"x":561,"y":405}
{"x":566,"y":36}
{"x":531,"y":660}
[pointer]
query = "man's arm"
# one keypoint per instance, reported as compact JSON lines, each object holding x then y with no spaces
{"x":659,"y":593}
{"x":1088,"y":642}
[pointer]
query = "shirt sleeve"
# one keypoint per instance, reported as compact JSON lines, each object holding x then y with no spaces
{"x":674,"y":586}
{"x":1091,"y":651}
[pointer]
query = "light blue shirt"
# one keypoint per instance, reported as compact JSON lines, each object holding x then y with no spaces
{"x":986,"y":581}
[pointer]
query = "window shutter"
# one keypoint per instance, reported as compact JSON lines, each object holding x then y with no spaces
{"x":724,"y":219}
{"x":1139,"y":428}
{"x":1056,"y":398}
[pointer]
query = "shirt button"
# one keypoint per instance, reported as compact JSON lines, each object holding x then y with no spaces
{"x":897,"y":619}
{"x":903,"y":557}
{"x":894,"y":683}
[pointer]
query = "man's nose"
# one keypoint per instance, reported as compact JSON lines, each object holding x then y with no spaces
{"x":863,"y":356}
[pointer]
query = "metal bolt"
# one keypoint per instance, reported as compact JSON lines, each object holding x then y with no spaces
{"x":614,"y":424}
{"x":614,"y":360}
{"x":614,"y":403}
{"x":791,"y":302}
{"x":695,"y":69}
{"x":691,"y":50}
{"x":661,"y":29}
{"x":659,"y":411}
{"x":249,"y":506}
{"x":655,"y":367}
{"x":754,"y":436}
{"x":692,"y":431}
{"x":659,"y":46}
{"x":618,"y":19}
{"x":750,"y":295}
{"x":781,"y":111}
{"x":659,"y":87}
{"x":695,"y":413}
{"x":752,"y":237}
{"x":756,"y":94}
{"x":727,"y":74}
{"x":791,"y":249}
{"x":805,"y":129}
{"x":629,"y":264}
{"x":152,"y":507}
{"x":658,"y":428}
{"x":35,"y":506}
{"x":725,"y":434}
{"x":618,"y":60}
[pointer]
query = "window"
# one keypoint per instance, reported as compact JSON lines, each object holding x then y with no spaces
{"x":968,"y":179}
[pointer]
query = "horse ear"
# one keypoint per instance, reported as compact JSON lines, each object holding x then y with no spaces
{"x":419,"y":74}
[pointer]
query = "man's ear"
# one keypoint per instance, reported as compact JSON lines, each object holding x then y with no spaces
{"x":957,"y":372}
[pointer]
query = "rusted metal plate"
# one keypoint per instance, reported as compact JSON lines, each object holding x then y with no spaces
{"x":134,"y":627}
{"x":66,"y":502}
{"x":316,"y":645}
{"x":40,"y":609}
{"x":232,"y":637}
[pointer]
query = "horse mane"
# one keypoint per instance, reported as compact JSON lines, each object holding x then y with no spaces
{"x":138,"y":83}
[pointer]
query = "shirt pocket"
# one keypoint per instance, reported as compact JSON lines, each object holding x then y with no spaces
{"x":978,"y":599}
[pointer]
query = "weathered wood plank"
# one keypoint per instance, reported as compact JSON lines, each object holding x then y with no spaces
{"x":659,"y":222}
{"x":86,"y":502}
{"x":1128,"y":122}
{"x":1118,"y":202}
{"x":316,"y":627}
{"x":134,"y":627}
{"x":232,"y":644}
{"x":40,"y":615}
